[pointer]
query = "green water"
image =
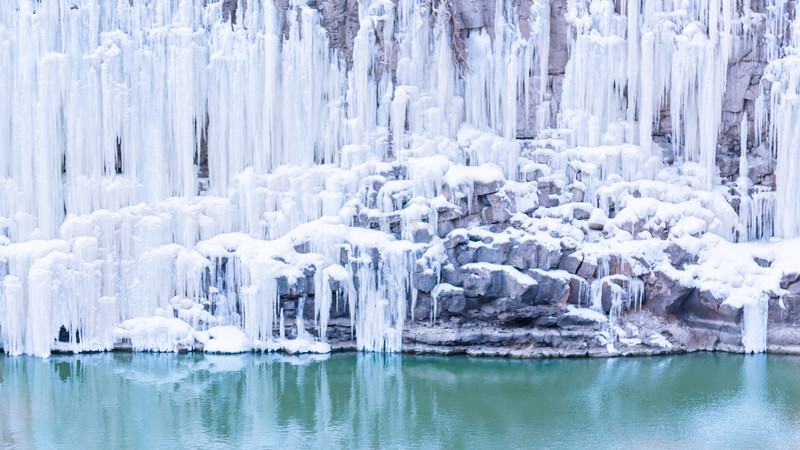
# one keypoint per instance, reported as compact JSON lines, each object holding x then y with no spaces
{"x":117,"y":400}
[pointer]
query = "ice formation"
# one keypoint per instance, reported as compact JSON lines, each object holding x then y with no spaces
{"x":169,"y":170}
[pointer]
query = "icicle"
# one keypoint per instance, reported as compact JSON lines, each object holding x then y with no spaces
{"x":743,"y":131}
{"x":754,"y":335}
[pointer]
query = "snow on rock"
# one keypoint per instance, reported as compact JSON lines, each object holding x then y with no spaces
{"x":297,"y":346}
{"x":658,"y":340}
{"x":227,"y":339}
{"x":156,"y":334}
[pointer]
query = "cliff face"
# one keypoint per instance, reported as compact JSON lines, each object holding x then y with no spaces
{"x":527,"y":178}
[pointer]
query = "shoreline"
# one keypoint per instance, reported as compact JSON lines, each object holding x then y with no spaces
{"x":474,"y":351}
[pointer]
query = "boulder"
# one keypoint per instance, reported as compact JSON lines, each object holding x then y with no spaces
{"x":678,"y":256}
{"x":664,"y":294}
{"x":480,"y":280}
{"x":421,"y":233}
{"x":786,"y":309}
{"x":449,"y":298}
{"x":452,"y":275}
{"x":588,"y":268}
{"x":522,"y":254}
{"x":762,"y":262}
{"x":547,"y":257}
{"x":496,"y":214}
{"x":455,"y":238}
{"x":571,"y":263}
{"x":465,"y":253}
{"x":582,"y":317}
{"x":424,"y":281}
{"x":492,"y":253}
{"x":554,"y":287}
{"x":488,"y":186}
{"x":493,"y":280}
{"x":578,"y":291}
{"x":549,"y":193}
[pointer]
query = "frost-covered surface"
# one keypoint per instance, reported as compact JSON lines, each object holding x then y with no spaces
{"x":197,"y":174}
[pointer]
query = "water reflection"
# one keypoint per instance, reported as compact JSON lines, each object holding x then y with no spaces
{"x":369,"y":400}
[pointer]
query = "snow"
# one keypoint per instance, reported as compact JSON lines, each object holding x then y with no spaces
{"x":298,"y":346}
{"x":587,"y":314}
{"x":227,"y":339}
{"x":155,"y":334}
{"x":658,"y":340}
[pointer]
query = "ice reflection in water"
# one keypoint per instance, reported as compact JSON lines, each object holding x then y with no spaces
{"x":371,"y":400}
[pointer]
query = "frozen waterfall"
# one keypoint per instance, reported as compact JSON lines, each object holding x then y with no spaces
{"x":171,"y":169}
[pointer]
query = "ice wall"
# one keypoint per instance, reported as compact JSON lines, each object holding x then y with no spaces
{"x":134,"y":133}
{"x":170,"y":158}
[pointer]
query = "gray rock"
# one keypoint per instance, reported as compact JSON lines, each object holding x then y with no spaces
{"x":571,"y":263}
{"x":575,"y":320}
{"x":678,"y":256}
{"x":445,"y":227}
{"x":447,"y":212}
{"x":482,"y":282}
{"x":549,"y":193}
{"x":519,"y":287}
{"x":534,"y":172}
{"x":597,"y":220}
{"x":454,"y":304}
{"x":582,"y":211}
{"x":663,"y":294}
{"x":588,"y":268}
{"x":521,"y":254}
{"x":424,"y":281}
{"x":789,"y":279}
{"x":790,"y":312}
{"x":489,"y":280}
{"x":422,"y":234}
{"x":525,"y":315}
{"x":496,"y":214}
{"x":577,"y":193}
{"x":451,"y":275}
{"x":703,"y":305}
{"x":294,"y":289}
{"x":470,"y":221}
{"x":546,"y":321}
{"x":762,"y":262}
{"x":553,"y":288}
{"x":578,"y":291}
{"x":450,"y":299}
{"x":493,"y":254}
{"x":486,"y":188}
{"x":547,"y":258}
{"x":465,"y":254}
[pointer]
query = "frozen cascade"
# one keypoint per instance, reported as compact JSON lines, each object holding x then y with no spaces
{"x":755,"y":326}
{"x":172,"y":171}
{"x":616,"y":82}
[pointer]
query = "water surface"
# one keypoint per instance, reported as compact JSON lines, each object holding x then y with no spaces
{"x":378,"y":401}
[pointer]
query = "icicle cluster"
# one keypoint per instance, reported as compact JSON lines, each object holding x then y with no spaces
{"x":134,"y":133}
